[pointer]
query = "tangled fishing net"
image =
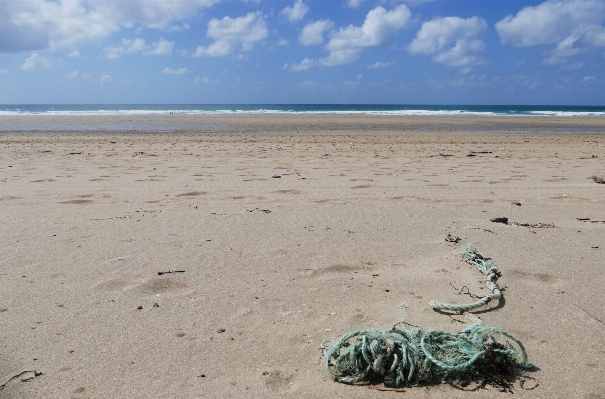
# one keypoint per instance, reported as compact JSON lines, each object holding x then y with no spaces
{"x":403,"y":357}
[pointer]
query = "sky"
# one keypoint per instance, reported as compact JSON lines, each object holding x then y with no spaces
{"x":302,"y":52}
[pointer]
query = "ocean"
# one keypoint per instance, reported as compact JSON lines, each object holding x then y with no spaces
{"x":150,"y":117}
{"x":253,"y":109}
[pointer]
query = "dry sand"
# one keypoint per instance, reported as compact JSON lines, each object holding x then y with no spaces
{"x":355,"y":225}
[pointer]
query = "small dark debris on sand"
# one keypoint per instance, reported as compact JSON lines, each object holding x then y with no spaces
{"x":500,"y":219}
{"x":598,"y":179}
{"x":451,"y":238}
{"x":534,"y":225}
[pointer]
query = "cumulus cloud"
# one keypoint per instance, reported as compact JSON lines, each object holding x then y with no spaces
{"x":296,"y":12}
{"x":160,"y":47}
{"x":170,"y":71}
{"x":127,"y":47}
{"x":301,"y":66}
{"x":35,"y":62}
{"x":77,"y":75}
{"x":312,"y":33}
{"x":381,"y":64}
{"x":413,"y":3}
{"x":49,"y":25}
{"x":340,"y":57}
{"x":204,"y":80}
{"x":375,"y":31}
{"x":105,"y":78}
{"x":231,"y":33}
{"x":74,"y":53}
{"x":354,"y":3}
{"x":178,"y":28}
{"x":575,"y":26}
{"x":3,"y":71}
{"x":550,"y":22}
{"x":435,"y":37}
{"x":346,"y":44}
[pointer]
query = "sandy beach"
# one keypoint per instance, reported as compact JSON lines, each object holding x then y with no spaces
{"x":96,"y":210}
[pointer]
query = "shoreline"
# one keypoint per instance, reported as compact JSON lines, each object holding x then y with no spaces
{"x":234,"y":123}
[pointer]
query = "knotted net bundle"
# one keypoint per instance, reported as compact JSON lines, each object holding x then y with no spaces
{"x":412,"y":357}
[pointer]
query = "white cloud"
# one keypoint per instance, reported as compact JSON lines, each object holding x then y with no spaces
{"x":575,"y":66}
{"x":312,"y":33}
{"x":77,"y":75}
{"x":462,"y":54}
{"x":203,"y":80}
{"x":229,"y":33}
{"x":160,"y":47}
{"x":74,"y":53}
{"x":381,"y":64}
{"x":296,"y":12}
{"x":48,"y":24}
{"x":354,"y":3}
{"x":35,"y":62}
{"x":552,"y":61}
{"x":346,"y":44}
{"x":283,"y":42}
{"x":301,"y":66}
{"x":3,"y":71}
{"x":588,"y":79}
{"x":178,"y":28}
{"x":550,"y":22}
{"x":340,"y":57}
{"x":575,"y":26}
{"x":127,"y":47}
{"x":170,"y":71}
{"x":105,"y":78}
{"x":435,"y":35}
{"x":375,"y":31}
{"x":413,"y":3}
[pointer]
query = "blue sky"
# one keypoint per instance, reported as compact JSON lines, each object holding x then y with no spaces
{"x":303,"y":51}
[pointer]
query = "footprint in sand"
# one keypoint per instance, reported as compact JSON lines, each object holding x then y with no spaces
{"x":541,"y":277}
{"x":192,"y":194}
{"x":166,"y":286}
{"x":113,"y":285}
{"x":337,"y":268}
{"x":277,"y":379}
{"x":287,"y":192}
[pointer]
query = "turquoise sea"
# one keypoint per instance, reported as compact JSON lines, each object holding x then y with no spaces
{"x":134,"y":117}
{"x":368,"y":109}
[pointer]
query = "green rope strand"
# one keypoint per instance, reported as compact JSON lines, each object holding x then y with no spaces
{"x":489,"y":270}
